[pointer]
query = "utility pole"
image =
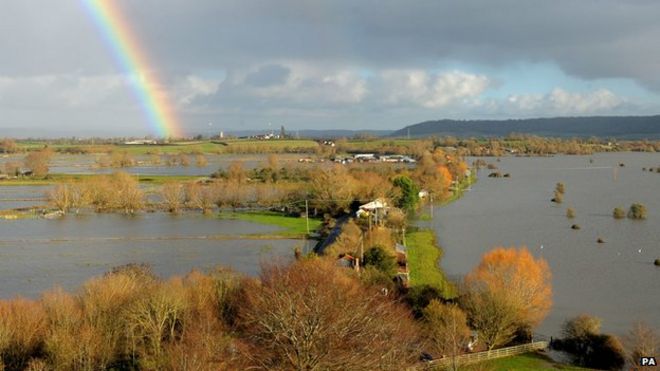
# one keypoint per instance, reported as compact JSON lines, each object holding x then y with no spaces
{"x":362,"y":248}
{"x":431,"y":199}
{"x":307,"y":215}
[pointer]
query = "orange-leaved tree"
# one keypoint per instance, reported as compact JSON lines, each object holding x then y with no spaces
{"x":508,"y":292}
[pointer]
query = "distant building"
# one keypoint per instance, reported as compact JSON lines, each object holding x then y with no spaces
{"x":141,"y":142}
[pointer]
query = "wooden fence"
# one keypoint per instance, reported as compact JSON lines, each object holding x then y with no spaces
{"x":483,"y":356}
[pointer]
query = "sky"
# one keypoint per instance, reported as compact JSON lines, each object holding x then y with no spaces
{"x":341,"y":64}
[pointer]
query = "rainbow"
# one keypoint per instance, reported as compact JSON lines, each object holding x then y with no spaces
{"x":131,"y":58}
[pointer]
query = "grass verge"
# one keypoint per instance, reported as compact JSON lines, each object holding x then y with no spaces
{"x":525,"y":362}
{"x":293,"y":227}
{"x":424,"y":262}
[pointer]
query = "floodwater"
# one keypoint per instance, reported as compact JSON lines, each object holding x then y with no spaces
{"x":89,"y":164}
{"x":38,"y":254}
{"x":615,"y":281}
{"x":15,"y":197}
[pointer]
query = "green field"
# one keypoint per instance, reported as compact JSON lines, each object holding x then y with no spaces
{"x":524,"y":362}
{"x":423,"y":261}
{"x":191,"y":147}
{"x":294,"y":227}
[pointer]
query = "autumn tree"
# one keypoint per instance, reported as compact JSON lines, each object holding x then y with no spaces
{"x":331,"y":190}
{"x":507,"y":292}
{"x":447,"y":330}
{"x":8,"y":146}
{"x":315,"y":316}
{"x":37,"y":161}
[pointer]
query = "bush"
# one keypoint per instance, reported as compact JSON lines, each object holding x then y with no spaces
{"x":570,"y":213}
{"x":576,"y":226}
{"x":559,"y":197}
{"x":657,"y":262}
{"x":637,"y":211}
{"x":618,"y":213}
{"x":381,"y":260}
{"x":590,"y":348}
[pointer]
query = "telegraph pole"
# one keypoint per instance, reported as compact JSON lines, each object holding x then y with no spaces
{"x":307,"y":215}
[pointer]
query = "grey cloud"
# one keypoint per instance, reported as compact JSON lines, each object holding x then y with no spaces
{"x":268,"y":75}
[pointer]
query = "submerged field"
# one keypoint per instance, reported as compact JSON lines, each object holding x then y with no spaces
{"x":588,"y":277}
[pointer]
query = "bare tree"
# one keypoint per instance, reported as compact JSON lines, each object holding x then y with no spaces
{"x":173,"y":196}
{"x":641,"y":341}
{"x":312,"y":316}
{"x":447,"y":329}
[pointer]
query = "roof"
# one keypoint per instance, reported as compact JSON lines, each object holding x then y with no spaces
{"x":375,"y":204}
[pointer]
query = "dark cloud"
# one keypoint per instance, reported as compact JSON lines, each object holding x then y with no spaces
{"x":326,"y":61}
{"x":268,"y":75}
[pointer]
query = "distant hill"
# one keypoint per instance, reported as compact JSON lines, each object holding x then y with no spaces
{"x":621,"y":127}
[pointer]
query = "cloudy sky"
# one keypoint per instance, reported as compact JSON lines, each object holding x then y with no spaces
{"x":355,"y":64}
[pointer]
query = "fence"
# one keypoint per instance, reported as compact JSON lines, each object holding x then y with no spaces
{"x":483,"y":356}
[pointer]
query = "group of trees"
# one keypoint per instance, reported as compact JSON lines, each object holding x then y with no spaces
{"x":333,"y":189}
{"x":306,"y":316}
{"x":582,"y":338}
{"x":119,"y":191}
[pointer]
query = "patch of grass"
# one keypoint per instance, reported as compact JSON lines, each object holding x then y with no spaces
{"x":424,"y":262}
{"x":425,"y":217}
{"x":527,"y":362}
{"x":294,"y":227}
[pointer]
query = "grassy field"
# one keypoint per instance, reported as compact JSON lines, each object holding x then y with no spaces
{"x":423,"y":260}
{"x":205,"y":146}
{"x":525,"y":362}
{"x":293,"y":227}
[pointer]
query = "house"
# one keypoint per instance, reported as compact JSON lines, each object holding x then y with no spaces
{"x":365,"y":157}
{"x":378,"y":208}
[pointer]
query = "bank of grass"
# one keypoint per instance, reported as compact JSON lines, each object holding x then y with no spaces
{"x":424,"y":262}
{"x":460,"y":189}
{"x":524,"y":362}
{"x":293,"y":227}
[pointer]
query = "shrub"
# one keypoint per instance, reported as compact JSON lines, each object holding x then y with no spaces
{"x":637,"y":211}
{"x":379,"y":258}
{"x":575,"y":226}
{"x":657,"y":262}
{"x":590,"y":348}
{"x":559,"y":197}
{"x":570,"y":213}
{"x":618,"y":213}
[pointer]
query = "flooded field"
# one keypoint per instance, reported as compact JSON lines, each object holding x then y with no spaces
{"x":616,"y":280}
{"x":36,"y":254}
{"x":90,"y":164}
